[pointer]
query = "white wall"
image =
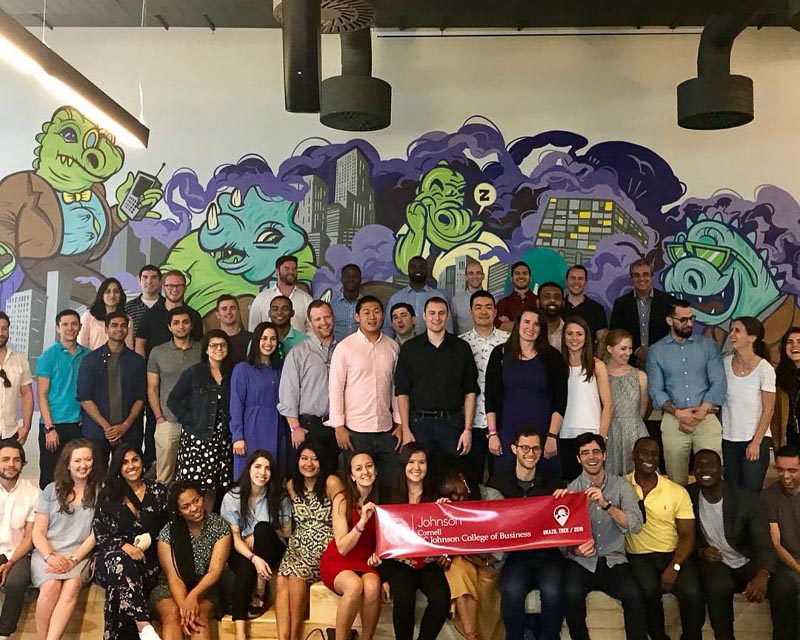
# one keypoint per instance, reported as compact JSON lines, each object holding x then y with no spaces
{"x":211,"y":98}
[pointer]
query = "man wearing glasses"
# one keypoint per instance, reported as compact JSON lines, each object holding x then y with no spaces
{"x":686,"y":380}
{"x":15,"y":382}
{"x":660,"y":555}
{"x":601,"y":563}
{"x":525,"y":571}
{"x":153,"y":328}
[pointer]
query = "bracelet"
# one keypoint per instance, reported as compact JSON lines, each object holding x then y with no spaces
{"x":49,"y":428}
{"x":160,"y":416}
{"x":252,"y":555}
{"x":359,"y":528}
{"x":493,"y":433}
{"x":468,"y":428}
{"x":47,"y":557}
{"x":295,"y":428}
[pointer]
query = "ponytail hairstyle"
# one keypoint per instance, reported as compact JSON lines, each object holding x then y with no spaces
{"x":180,"y":539}
{"x":753,"y":327}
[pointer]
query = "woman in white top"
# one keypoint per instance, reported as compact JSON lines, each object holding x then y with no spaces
{"x":589,"y":405}
{"x":748,"y":408}
{"x":110,"y":297}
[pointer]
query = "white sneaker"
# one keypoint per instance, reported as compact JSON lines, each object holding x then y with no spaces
{"x":148,"y":633}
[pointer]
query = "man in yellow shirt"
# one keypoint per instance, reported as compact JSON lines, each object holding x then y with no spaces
{"x":660,"y":554}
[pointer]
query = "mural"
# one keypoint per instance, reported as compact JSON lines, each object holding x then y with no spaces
{"x":551,"y":199}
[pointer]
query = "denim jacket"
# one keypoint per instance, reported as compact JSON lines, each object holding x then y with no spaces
{"x":194,"y":400}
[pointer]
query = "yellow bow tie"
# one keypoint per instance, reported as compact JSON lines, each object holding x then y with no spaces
{"x":82,"y":196}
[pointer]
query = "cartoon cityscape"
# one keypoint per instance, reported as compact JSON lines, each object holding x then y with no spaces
{"x":574,"y":226}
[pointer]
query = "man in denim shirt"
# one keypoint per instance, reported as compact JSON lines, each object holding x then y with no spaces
{"x":687,"y":382}
{"x":601,"y":564}
{"x":112,"y":389}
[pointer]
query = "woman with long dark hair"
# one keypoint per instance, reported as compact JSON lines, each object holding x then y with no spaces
{"x":526,"y":384}
{"x":200,"y":401}
{"x":406,"y":576}
{"x":110,"y":297}
{"x":749,"y":405}
{"x":193,"y":548}
{"x":255,"y":421}
{"x":62,"y":536}
{"x":348,"y":564}
{"x":311,"y":489}
{"x":130,"y":513}
{"x":260,"y":518}
{"x":589,"y":404}
{"x":787,"y":405}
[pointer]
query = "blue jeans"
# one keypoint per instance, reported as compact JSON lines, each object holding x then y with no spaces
{"x":523,"y":572}
{"x":739,"y":471}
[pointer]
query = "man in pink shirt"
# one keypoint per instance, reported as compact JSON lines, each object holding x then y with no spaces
{"x":363,"y":407}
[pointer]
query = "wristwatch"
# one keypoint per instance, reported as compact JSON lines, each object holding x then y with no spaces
{"x":608,"y":506}
{"x":49,"y":428}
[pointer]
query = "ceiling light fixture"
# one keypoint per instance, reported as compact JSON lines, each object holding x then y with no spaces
{"x":22,"y":50}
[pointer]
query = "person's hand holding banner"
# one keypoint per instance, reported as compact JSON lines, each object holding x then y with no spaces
{"x":462,"y":528}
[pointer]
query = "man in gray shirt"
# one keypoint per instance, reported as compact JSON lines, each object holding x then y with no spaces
{"x":600,"y":564}
{"x":303,"y":394}
{"x":164,"y":366}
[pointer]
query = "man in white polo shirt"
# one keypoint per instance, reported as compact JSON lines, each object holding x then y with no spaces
{"x":15,"y":383}
{"x":286,"y":273}
{"x":18,"y":500}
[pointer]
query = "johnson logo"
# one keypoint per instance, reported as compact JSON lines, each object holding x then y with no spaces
{"x":561,"y":514}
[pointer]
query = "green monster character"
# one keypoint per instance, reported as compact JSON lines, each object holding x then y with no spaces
{"x":437,"y":216}
{"x":235,"y":249}
{"x":722,"y":275}
{"x":57,"y":217}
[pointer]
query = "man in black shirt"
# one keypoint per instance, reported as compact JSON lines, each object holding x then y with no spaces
{"x":154,"y":325}
{"x":524,"y":571}
{"x":577,"y":303}
{"x":150,"y":285}
{"x":230,"y":321}
{"x":436,"y":384}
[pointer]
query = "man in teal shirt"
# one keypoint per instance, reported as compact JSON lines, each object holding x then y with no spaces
{"x":56,"y":389}
{"x":281,"y":312}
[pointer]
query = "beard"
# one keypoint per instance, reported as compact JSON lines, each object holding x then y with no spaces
{"x":683,"y":332}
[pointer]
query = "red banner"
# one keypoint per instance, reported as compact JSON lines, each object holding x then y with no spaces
{"x":463,"y":528}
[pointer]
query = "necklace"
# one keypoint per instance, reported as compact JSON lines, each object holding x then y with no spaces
{"x":744,"y":368}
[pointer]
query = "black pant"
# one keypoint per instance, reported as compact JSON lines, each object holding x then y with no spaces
{"x":132,"y":436}
{"x":325,"y":437}
{"x":617,"y":582}
{"x":66,"y":431}
{"x":149,"y":452}
{"x":404,"y":581}
{"x":570,"y":467}
{"x":266,"y":545}
{"x":439,"y":436}
{"x":647,"y":568}
{"x":720,"y":582}
{"x":383,"y":449}
{"x":17,"y":580}
{"x":475,"y":462}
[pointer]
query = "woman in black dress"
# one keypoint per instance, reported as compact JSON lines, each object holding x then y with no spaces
{"x":129,"y":514}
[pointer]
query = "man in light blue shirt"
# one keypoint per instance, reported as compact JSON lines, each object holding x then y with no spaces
{"x":344,"y":302}
{"x":462,"y":302}
{"x":686,"y":380}
{"x":416,"y":294}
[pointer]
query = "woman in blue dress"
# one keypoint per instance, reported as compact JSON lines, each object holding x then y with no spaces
{"x":255,"y":422}
{"x":526,"y":385}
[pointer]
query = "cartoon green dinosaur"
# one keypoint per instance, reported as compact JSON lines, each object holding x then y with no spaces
{"x":57,"y":217}
{"x":437,"y":216}
{"x":719,"y":271}
{"x":235,"y":249}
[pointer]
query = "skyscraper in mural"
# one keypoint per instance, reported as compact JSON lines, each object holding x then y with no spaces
{"x":26,"y":312}
{"x":573,"y":226}
{"x":311,"y":215}
{"x":354,"y":193}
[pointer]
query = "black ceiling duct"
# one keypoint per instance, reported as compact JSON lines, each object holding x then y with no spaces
{"x":301,"y":55}
{"x":794,"y":14}
{"x":355,"y":101}
{"x":715,"y":99}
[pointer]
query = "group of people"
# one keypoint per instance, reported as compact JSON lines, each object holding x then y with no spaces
{"x":266,"y":451}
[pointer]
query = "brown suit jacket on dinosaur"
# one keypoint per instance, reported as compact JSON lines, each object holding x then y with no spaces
{"x":31,"y":223}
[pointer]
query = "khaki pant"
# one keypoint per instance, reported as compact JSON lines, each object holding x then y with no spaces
{"x":168,"y":439}
{"x":678,"y":445}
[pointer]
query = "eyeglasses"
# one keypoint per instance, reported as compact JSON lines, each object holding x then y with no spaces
{"x":684,"y":320}
{"x":218,"y":346}
{"x":174,"y":286}
{"x":526,"y":448}
{"x":6,"y":381}
{"x":590,"y":452}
